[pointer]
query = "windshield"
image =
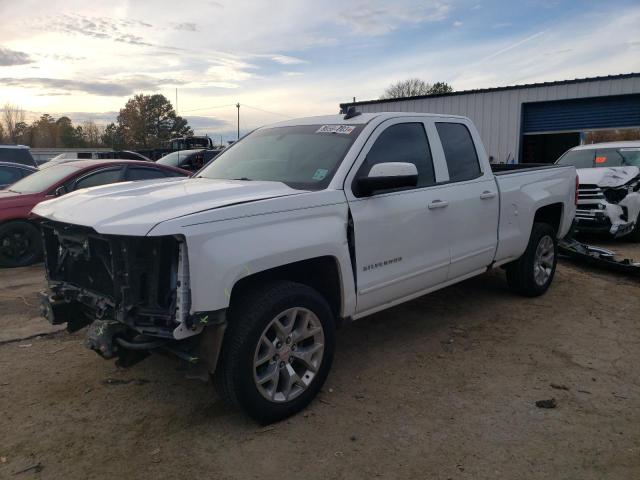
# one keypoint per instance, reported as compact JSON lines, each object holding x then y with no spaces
{"x":304,"y":157}
{"x":602,"y":157}
{"x":174,"y":159}
{"x":42,"y":179}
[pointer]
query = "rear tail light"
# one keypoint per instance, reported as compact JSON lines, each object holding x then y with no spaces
{"x":575,"y":199}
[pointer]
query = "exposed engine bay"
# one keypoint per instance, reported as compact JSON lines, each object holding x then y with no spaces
{"x":133,"y":292}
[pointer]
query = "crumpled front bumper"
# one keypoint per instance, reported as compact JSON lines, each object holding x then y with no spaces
{"x":603,"y":217}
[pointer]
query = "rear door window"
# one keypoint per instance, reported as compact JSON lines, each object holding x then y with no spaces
{"x":459,"y":151}
{"x":141,"y":173}
{"x":101,"y":177}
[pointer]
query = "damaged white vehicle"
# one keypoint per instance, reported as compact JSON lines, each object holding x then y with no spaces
{"x":246,"y":269}
{"x":609,"y":192}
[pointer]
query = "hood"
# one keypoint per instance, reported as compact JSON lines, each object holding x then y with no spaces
{"x":134,"y":208}
{"x":607,"y":176}
{"x":10,"y":199}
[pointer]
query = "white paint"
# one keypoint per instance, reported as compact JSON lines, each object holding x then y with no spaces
{"x":403,"y":248}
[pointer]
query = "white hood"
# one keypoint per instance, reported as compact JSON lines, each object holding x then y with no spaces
{"x":607,"y":176}
{"x":134,"y":208}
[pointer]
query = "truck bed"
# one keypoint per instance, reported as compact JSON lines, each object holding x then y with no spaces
{"x":506,"y":168}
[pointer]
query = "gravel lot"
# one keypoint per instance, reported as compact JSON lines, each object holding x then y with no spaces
{"x":442,"y":387}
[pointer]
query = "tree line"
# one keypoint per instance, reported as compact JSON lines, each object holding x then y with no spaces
{"x":146,"y":121}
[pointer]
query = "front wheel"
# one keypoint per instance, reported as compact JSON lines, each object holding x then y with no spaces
{"x":20,"y":244}
{"x":634,"y":236}
{"x":533,"y":272}
{"x":277,"y":350}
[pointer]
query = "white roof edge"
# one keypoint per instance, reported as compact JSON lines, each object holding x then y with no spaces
{"x":621,"y":144}
{"x":361,"y":119}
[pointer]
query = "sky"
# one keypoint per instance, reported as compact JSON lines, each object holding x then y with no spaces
{"x":291,"y":58}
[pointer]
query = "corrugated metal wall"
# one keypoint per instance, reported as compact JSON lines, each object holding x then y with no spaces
{"x":498,"y":114}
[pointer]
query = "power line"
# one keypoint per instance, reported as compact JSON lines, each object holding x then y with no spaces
{"x":267,"y":111}
{"x":209,"y":108}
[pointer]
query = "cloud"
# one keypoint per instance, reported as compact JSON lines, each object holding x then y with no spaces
{"x":102,"y":28}
{"x":186,"y":26}
{"x":512,"y":46}
{"x":286,"y":59}
{"x":12,"y":57}
{"x":457,"y":23}
{"x":116,"y":88}
{"x":369,"y":19}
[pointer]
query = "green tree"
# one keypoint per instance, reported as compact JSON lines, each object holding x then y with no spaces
{"x":146,"y":121}
{"x":112,"y":137}
{"x":22,"y":133}
{"x":67,"y":135}
{"x":44,"y":131}
{"x":440,"y":88}
{"x":413,"y":87}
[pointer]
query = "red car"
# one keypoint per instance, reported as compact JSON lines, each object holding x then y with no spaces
{"x":20,"y":241}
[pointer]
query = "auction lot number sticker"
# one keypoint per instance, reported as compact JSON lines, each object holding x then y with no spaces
{"x":344,"y":129}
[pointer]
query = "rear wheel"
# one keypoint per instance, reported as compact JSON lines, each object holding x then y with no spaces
{"x":277,"y":350}
{"x":20,"y":244}
{"x":533,"y":272}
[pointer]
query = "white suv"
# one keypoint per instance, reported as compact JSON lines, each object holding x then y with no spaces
{"x":609,"y":192}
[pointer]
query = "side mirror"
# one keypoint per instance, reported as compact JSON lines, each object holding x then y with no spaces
{"x":387,"y":176}
{"x":61,"y":190}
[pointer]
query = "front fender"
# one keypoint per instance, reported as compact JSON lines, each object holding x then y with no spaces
{"x":221,"y":253}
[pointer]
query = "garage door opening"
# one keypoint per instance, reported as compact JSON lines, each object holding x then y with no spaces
{"x":548,"y":147}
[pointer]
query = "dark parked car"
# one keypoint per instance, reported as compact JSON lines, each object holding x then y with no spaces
{"x":12,"y":172}
{"x":17,"y":154}
{"x":20,"y":240}
{"x":192,"y":160}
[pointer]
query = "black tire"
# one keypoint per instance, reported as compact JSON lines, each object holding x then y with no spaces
{"x":634,"y":236}
{"x":521,"y":273}
{"x":248,"y":318}
{"x":20,"y":244}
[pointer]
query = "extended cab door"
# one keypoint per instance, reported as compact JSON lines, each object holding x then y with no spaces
{"x":471,"y":195}
{"x":401,"y":247}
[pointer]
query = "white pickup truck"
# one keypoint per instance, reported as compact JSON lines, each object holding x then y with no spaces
{"x":247,"y":268}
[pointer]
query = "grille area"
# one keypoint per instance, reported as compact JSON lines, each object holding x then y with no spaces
{"x":130,"y":279}
{"x":587,"y":192}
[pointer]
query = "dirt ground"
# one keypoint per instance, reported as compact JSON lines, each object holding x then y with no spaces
{"x":443,"y":387}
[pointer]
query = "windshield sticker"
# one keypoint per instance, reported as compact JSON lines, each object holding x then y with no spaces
{"x":344,"y":129}
{"x":320,"y":174}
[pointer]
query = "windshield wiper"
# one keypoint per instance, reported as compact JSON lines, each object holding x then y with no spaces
{"x":243,"y":178}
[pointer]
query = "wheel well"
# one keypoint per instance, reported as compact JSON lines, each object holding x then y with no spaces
{"x":321,"y":274}
{"x":550,"y":214}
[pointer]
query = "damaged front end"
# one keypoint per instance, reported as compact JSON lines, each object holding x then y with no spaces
{"x":133,"y":292}
{"x":612,"y":210}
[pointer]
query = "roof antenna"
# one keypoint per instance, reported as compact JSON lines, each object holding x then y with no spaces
{"x":351,"y":112}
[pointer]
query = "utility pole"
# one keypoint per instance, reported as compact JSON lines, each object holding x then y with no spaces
{"x":176,"y":101}
{"x":238,"y":107}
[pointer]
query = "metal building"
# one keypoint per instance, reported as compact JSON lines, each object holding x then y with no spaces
{"x":535,"y":122}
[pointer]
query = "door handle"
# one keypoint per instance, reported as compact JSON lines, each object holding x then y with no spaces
{"x":487,"y":194}
{"x":438,"y":204}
